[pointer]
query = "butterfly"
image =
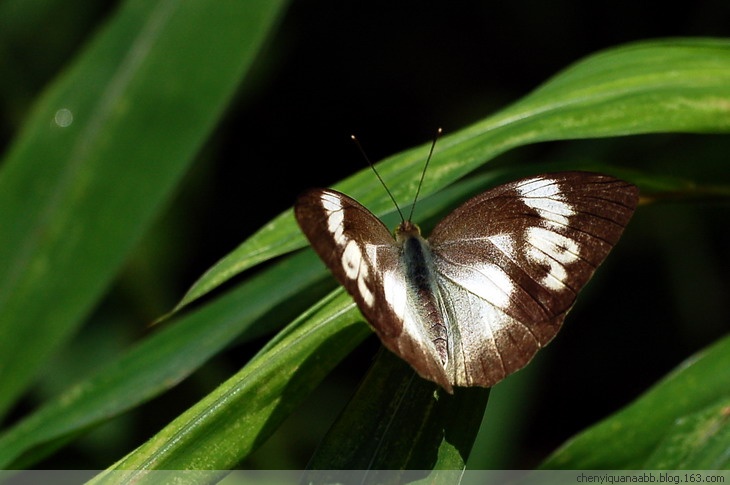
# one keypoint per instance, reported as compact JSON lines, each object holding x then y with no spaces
{"x":493,"y":282}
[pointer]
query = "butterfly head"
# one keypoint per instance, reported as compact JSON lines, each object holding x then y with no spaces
{"x":406,"y":229}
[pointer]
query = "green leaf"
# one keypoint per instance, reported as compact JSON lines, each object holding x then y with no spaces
{"x":160,"y":361}
{"x":397,"y":421}
{"x":217,"y":432}
{"x":697,"y":441}
{"x":674,"y":85}
{"x":100,"y":154}
{"x":680,"y":423}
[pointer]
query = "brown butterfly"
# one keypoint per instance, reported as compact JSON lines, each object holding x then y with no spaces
{"x":491,"y":285}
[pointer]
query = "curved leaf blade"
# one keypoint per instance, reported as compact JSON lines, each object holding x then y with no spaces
{"x":634,"y":437}
{"x":233,"y":420}
{"x":674,"y":85}
{"x":398,"y":421}
{"x":160,"y":361}
{"x":697,"y":441}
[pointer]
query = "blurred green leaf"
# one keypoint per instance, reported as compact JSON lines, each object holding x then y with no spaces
{"x":64,"y":24}
{"x":675,"y":85}
{"x":100,"y":154}
{"x":680,"y":423}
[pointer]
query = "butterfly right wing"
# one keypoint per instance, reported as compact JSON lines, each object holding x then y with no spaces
{"x":365,"y":258}
{"x":512,"y":260}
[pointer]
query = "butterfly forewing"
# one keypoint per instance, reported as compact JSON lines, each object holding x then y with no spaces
{"x":494,"y":281}
{"x":352,"y":242}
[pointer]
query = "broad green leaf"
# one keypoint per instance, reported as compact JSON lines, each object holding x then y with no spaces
{"x":100,"y":154}
{"x":160,"y":361}
{"x":397,"y":421}
{"x":42,"y":55}
{"x":697,"y":441}
{"x":674,"y":85}
{"x":679,"y":423}
{"x":217,"y":432}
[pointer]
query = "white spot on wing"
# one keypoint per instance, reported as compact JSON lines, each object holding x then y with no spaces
{"x":331,"y":203}
{"x":371,"y":251}
{"x":485,"y":280}
{"x":544,"y":196}
{"x":367,"y":295}
{"x":501,"y":288}
{"x":546,"y":246}
{"x":356,"y":268}
{"x":538,"y":187}
{"x":335,"y":217}
{"x":395,"y":293}
{"x":553,"y":250}
{"x":504,"y":242}
{"x":352,"y":260}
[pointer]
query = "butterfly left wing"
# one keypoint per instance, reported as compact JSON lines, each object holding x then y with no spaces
{"x":511,"y":261}
{"x":364,"y":257}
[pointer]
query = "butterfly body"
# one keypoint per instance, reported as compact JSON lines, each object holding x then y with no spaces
{"x":421,"y":282}
{"x":490,"y":286}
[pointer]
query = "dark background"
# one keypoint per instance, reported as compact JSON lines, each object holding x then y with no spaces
{"x":392,"y":73}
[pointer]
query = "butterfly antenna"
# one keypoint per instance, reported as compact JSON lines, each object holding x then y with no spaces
{"x":372,"y":166}
{"x":423,"y":174}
